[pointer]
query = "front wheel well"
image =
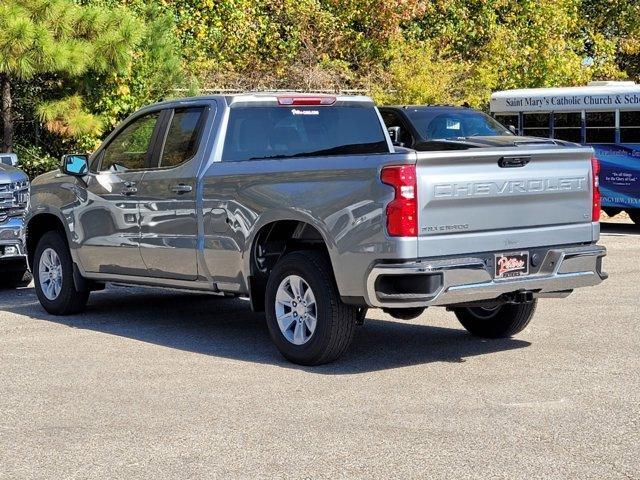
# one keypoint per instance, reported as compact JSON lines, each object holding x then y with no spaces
{"x":272,"y":242}
{"x":37,"y":227}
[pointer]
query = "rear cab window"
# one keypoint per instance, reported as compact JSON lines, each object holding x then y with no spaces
{"x":289,"y":131}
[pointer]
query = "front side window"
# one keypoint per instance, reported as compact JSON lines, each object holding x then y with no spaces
{"x":437,"y":124}
{"x":391,"y":119}
{"x":182,"y":137}
{"x":130,"y":148}
{"x":255,"y":133}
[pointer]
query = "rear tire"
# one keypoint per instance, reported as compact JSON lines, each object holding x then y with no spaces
{"x":297,"y":336}
{"x":56,"y":290}
{"x":500,"y":322}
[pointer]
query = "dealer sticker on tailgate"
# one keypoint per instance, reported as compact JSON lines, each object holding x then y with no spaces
{"x":512,"y":264}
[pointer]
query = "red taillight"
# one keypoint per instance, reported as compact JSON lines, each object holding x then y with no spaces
{"x":323,"y":100}
{"x":595,"y":203}
{"x":402,"y":211}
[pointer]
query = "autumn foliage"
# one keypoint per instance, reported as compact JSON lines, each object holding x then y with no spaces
{"x":67,"y":91}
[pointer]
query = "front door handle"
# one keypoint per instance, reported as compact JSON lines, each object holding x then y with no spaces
{"x":181,"y":188}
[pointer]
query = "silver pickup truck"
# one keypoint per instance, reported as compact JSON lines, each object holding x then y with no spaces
{"x":14,"y":188}
{"x":303,"y":204}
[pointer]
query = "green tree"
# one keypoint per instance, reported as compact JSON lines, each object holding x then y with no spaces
{"x":154,"y":70}
{"x":503,"y":44}
{"x":302,"y":44}
{"x":611,"y":32}
{"x":63,"y":41}
{"x":418,"y":74}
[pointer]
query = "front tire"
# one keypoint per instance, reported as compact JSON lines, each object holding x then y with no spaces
{"x":53,"y":277}
{"x":500,"y":322}
{"x":307,"y":320}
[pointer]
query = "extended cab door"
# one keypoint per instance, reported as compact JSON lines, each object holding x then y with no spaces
{"x":169,"y":222}
{"x":108,"y":226}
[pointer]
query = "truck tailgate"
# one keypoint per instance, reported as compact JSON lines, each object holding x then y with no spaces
{"x":491,"y":199}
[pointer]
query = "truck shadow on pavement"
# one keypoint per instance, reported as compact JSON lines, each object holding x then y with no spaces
{"x":227,"y":328}
{"x":619,"y":228}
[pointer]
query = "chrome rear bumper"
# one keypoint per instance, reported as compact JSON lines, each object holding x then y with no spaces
{"x":460,"y":280}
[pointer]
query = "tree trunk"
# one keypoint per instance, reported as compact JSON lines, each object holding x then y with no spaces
{"x":7,"y":120}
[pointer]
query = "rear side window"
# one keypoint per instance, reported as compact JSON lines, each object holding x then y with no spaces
{"x":255,"y":133}
{"x":182,"y":137}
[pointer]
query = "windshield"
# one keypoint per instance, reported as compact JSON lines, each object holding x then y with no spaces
{"x":257,"y":133}
{"x":452,"y":124}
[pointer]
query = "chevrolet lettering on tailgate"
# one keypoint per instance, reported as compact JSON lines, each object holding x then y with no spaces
{"x":510,"y":187}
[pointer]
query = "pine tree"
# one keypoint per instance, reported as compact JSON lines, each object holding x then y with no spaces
{"x":60,"y":37}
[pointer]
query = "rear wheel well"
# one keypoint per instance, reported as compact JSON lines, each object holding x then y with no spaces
{"x":37,"y":227}
{"x":272,"y":242}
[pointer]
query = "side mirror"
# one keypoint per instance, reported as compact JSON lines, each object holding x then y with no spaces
{"x":394,"y":134}
{"x":10,"y":159}
{"x":512,"y":129}
{"x":76,"y":165}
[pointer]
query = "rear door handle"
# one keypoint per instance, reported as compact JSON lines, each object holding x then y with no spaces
{"x":181,"y":188}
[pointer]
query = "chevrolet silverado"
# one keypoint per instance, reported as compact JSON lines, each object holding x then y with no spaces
{"x":302,"y":203}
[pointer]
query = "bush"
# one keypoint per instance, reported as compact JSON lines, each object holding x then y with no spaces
{"x":33,"y":160}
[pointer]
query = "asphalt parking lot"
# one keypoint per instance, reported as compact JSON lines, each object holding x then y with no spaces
{"x":156,"y":384}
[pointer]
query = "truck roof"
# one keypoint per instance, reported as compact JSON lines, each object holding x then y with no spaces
{"x":270,"y":98}
{"x":281,"y":98}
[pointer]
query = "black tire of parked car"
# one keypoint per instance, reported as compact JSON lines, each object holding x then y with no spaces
{"x":336,"y":321}
{"x":20,"y":278}
{"x":69,"y":300}
{"x":500,"y":322}
{"x":635,"y":216}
